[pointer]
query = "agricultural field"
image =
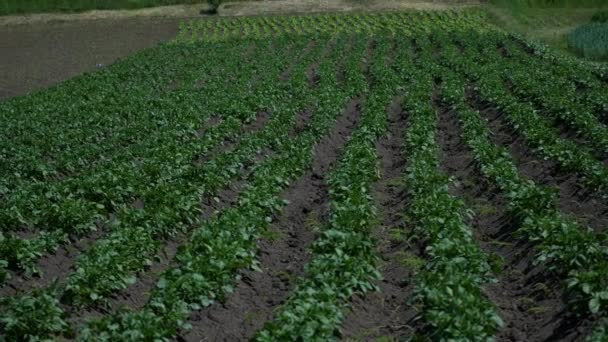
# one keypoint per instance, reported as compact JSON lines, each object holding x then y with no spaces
{"x":414,"y":175}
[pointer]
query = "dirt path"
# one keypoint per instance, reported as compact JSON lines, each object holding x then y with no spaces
{"x":37,"y":56}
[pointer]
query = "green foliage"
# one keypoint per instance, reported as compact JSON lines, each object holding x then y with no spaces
{"x":449,"y":286}
{"x":590,"y":40}
{"x":568,"y":248}
{"x":600,"y":333}
{"x":343,"y":255}
{"x":28,"y":317}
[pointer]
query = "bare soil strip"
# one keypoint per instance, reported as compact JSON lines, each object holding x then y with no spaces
{"x":57,"y":266}
{"x":34,"y":57}
{"x":530,"y":297}
{"x":283,"y":253}
{"x":574,"y":198}
{"x":386,"y":314}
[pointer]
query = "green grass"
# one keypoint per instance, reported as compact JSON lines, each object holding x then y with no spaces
{"x":8,"y":7}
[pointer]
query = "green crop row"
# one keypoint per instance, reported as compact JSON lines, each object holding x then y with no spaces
{"x":557,"y":96}
{"x":590,"y":79}
{"x":449,"y":285}
{"x":75,"y":207}
{"x":578,"y":65}
{"x":484,"y":67}
{"x":127,"y":106}
{"x":109,"y":265}
{"x":392,"y":23}
{"x":560,"y":241}
{"x":208,"y":264}
{"x":343,"y":259}
{"x":581,"y":87}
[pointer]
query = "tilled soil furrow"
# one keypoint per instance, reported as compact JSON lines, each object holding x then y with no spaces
{"x":574,"y":197}
{"x":385,"y":313}
{"x":57,"y":266}
{"x":524,"y":304}
{"x":282,"y":253}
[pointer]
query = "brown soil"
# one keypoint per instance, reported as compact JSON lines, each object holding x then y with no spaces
{"x":34,"y":57}
{"x":386,"y":313}
{"x":283,"y":255}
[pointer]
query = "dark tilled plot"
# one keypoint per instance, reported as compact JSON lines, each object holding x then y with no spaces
{"x":34,"y":57}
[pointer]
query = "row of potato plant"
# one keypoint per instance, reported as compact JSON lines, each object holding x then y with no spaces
{"x":550,"y":91}
{"x":109,"y":265}
{"x":449,"y":285}
{"x":91,"y":120}
{"x":77,"y":206}
{"x":563,"y":244}
{"x":208,"y":264}
{"x":483,"y":67}
{"x":589,"y":90}
{"x":343,"y":257}
{"x":577,"y":65}
{"x":397,"y":22}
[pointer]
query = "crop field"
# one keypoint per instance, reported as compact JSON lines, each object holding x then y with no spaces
{"x":391,"y":176}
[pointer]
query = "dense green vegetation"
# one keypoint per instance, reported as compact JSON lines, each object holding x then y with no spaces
{"x":140,"y":155}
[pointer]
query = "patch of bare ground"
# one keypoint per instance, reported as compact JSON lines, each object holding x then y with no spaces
{"x":282,"y":252}
{"x":176,"y":11}
{"x":34,"y":57}
{"x":530,"y":297}
{"x":386,"y":313}
{"x":574,"y":197}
